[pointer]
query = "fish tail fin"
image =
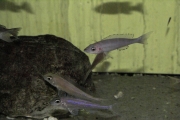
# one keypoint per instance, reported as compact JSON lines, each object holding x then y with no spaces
{"x":143,"y":38}
{"x":25,"y":6}
{"x":114,"y":108}
{"x":14,"y":31}
{"x":138,"y":7}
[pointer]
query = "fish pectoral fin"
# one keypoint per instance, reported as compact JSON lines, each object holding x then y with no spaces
{"x":123,"y":48}
{"x":130,"y":36}
{"x":106,"y":55}
{"x":61,"y":93}
{"x":73,"y":111}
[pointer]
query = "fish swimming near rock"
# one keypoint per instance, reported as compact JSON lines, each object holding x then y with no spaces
{"x":114,"y":42}
{"x":5,"y":33}
{"x":99,"y":57}
{"x":62,"y":84}
{"x":73,"y":104}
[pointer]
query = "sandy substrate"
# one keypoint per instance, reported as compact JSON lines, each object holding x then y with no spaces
{"x":146,"y":97}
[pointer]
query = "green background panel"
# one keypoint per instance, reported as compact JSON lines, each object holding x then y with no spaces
{"x":83,"y":22}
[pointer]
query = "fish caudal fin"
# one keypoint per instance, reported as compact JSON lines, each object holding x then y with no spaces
{"x":143,"y":38}
{"x":14,"y":31}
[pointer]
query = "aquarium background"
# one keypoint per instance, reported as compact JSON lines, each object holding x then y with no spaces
{"x":83,"y":22}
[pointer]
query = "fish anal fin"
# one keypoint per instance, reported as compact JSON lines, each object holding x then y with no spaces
{"x":130,"y":36}
{"x":123,"y":48}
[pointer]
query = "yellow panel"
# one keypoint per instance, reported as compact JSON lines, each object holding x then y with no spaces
{"x":85,"y":21}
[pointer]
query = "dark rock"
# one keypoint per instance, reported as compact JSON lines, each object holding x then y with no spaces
{"x":22,"y":88}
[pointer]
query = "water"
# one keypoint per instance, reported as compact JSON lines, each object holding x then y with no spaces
{"x":144,"y":97}
{"x":82,"y":22}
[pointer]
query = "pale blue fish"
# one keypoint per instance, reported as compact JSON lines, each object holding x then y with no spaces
{"x":5,"y":33}
{"x":73,"y":105}
{"x":114,"y":42}
{"x":62,"y":84}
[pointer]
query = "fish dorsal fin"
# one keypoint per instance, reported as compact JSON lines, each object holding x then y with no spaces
{"x":130,"y":36}
{"x":123,"y":48}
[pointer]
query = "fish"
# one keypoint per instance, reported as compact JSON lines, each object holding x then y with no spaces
{"x":169,"y":20}
{"x":99,"y":57}
{"x":46,"y":112}
{"x":6,"y":5}
{"x":114,"y":42}
{"x":62,"y":84}
{"x":5,"y":33}
{"x":74,"y":104}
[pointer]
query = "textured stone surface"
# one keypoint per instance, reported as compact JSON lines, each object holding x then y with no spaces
{"x":22,"y":88}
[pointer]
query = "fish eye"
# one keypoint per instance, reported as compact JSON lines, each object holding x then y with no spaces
{"x":57,"y":101}
{"x":49,"y":78}
{"x":93,"y":48}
